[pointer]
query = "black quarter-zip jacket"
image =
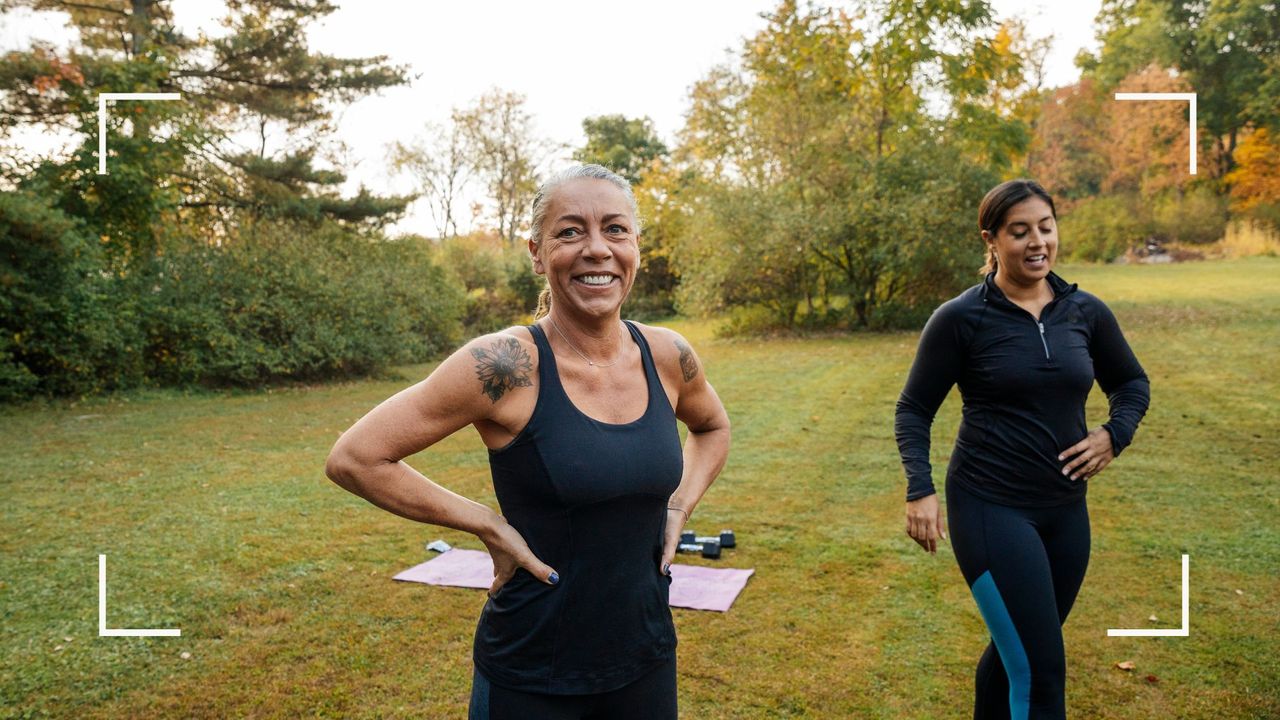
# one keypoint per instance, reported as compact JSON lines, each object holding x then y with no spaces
{"x":1023,"y":384}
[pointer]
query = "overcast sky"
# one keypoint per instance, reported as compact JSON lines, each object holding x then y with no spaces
{"x":572,"y":59}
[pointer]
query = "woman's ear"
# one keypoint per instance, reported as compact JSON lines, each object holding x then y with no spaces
{"x":533,"y":256}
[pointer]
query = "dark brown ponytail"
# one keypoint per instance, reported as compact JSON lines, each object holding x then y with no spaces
{"x":992,"y":263}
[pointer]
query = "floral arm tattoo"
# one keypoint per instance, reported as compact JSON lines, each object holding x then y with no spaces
{"x":688,"y":365}
{"x":502,"y":366}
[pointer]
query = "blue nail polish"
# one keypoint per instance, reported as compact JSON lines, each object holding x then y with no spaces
{"x":553,"y":578}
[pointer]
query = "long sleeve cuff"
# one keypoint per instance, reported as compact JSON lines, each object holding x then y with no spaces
{"x":920,"y":492}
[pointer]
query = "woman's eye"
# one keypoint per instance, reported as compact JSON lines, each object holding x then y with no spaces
{"x":616,"y":229}
{"x":569,"y":232}
{"x":1020,"y":235}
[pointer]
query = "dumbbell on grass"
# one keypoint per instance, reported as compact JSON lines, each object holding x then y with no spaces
{"x":708,"y":549}
{"x":726,"y":538}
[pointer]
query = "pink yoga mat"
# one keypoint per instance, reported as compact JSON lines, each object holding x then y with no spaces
{"x":692,"y":586}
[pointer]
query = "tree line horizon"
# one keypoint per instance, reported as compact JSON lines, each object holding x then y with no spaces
{"x":826,"y":178}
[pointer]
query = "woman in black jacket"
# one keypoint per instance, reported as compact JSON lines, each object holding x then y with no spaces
{"x":1025,"y":348}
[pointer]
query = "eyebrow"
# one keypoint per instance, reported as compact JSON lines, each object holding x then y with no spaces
{"x":1024,"y":222}
{"x":582,"y":221}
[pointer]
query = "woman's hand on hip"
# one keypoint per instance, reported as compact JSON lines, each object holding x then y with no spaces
{"x":926,"y":523}
{"x":675,"y":525}
{"x":510,"y":552}
{"x":1089,"y":456}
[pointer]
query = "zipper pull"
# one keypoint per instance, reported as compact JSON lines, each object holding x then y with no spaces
{"x":1043,"y":342}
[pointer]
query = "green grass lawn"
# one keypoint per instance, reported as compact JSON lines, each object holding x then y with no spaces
{"x":216,"y":518}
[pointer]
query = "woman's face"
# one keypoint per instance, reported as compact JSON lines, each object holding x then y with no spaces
{"x":1027,"y":245}
{"x":589,"y":248}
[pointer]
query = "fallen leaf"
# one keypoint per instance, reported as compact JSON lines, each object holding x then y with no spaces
{"x":185,"y":656}
{"x":57,"y":648}
{"x":68,"y":639}
{"x":1239,"y":592}
{"x":1126,"y":665}
{"x":1153,"y":679}
{"x":1153,"y":618}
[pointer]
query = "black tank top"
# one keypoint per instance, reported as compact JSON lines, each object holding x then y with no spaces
{"x":590,"y":498}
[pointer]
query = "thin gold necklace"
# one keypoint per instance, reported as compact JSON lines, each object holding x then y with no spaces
{"x":575,"y":348}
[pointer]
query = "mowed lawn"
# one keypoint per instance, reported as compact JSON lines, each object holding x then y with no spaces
{"x":216,"y":518}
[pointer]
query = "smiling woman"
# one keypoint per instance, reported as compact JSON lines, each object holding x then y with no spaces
{"x":567,"y":226}
{"x":1025,"y":348}
{"x":579,"y":414}
{"x":1036,"y":219}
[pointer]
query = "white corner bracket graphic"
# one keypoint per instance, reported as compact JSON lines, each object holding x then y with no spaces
{"x":1188,"y":97}
{"x":101,"y":117}
{"x":1183,"y":631}
{"x":103,"y":630}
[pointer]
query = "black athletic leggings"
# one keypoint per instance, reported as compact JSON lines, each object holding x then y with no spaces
{"x":652,"y":697}
{"x":1024,"y":567}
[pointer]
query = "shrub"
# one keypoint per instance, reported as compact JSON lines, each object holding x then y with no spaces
{"x":1101,"y":229}
{"x":501,"y":287}
{"x":297,"y":303}
{"x":275,"y":302}
{"x":1197,"y":216}
{"x":66,"y":326}
{"x":1265,"y":214}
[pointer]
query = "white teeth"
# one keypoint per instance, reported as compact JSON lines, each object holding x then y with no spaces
{"x":596,"y":279}
{"x":1035,"y":258}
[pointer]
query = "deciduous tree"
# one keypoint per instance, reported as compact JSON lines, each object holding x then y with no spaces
{"x":441,"y":168}
{"x":628,"y":146}
{"x":506,"y":153}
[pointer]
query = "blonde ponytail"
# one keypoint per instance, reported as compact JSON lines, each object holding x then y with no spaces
{"x":544,"y":303}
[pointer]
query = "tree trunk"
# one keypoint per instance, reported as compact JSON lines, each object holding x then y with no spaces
{"x":1231,"y":152}
{"x":139,"y":25}
{"x":139,"y":30}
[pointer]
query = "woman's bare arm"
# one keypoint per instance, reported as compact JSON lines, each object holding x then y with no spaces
{"x":478,"y":383}
{"x":707,"y":445}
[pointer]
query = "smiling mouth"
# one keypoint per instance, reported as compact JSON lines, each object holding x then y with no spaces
{"x":1036,"y":259}
{"x":597,"y":280}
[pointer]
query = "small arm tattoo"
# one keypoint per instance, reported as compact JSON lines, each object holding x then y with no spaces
{"x":504,"y":365}
{"x":688,"y":365}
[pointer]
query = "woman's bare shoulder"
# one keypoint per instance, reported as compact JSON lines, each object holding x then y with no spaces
{"x":500,"y":361}
{"x":671,"y":351}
